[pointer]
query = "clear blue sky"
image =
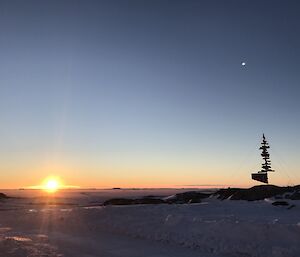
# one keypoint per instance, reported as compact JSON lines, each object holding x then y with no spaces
{"x":148,"y":93}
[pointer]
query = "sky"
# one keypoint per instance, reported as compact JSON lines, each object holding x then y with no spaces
{"x":148,"y":93}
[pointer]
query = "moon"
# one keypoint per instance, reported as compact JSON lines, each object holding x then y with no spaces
{"x":243,"y":63}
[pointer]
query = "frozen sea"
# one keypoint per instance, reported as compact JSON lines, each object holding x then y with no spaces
{"x":72,"y":223}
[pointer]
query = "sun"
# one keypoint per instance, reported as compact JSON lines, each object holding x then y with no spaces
{"x":51,"y":185}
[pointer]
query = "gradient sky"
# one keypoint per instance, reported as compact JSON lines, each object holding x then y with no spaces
{"x":148,"y":93}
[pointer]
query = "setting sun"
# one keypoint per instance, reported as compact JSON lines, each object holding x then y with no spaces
{"x":51,"y":185}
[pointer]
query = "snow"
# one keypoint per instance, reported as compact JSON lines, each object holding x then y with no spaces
{"x":79,"y":227}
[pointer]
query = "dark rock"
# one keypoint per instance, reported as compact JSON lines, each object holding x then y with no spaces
{"x":254,"y":193}
{"x":188,"y":197}
{"x":195,"y":201}
{"x":123,"y":201}
{"x":118,"y":201}
{"x":3,"y":196}
{"x":287,"y":196}
{"x":278,"y":197}
{"x":296,"y":188}
{"x":152,"y":196}
{"x":223,"y":194}
{"x":280,"y":203}
{"x":259,"y":192}
{"x":148,"y":201}
{"x":251,"y":194}
{"x":295,"y":196}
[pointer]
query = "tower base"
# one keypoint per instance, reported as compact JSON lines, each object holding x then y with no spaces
{"x":261,"y":177}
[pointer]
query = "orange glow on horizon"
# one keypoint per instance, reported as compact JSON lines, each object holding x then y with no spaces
{"x":52,"y":184}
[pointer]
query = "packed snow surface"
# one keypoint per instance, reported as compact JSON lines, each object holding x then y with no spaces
{"x":74,"y":224}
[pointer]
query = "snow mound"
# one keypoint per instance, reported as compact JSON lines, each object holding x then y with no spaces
{"x":221,"y":230}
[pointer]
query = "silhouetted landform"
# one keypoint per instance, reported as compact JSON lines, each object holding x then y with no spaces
{"x":259,"y":193}
{"x":295,"y":195}
{"x":181,"y":198}
{"x":116,"y":188}
{"x":250,"y":194}
{"x":223,"y":194}
{"x":187,"y":197}
{"x":3,"y":196}
{"x":124,"y":201}
{"x":154,"y":196}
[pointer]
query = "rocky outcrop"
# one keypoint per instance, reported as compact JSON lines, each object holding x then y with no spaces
{"x":3,"y":196}
{"x":223,"y":194}
{"x":125,"y":201}
{"x":187,"y":197}
{"x":294,"y":196}
{"x":118,"y":201}
{"x":254,"y":193}
{"x":260,"y":192}
{"x":250,"y":194}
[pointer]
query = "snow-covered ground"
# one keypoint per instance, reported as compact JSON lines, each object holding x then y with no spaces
{"x":76,"y":226}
